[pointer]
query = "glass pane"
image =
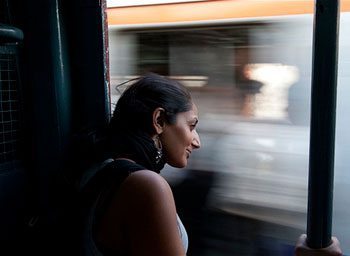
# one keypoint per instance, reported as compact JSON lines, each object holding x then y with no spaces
{"x":248,"y":67}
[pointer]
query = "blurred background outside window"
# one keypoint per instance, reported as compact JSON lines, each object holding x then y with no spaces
{"x":248,"y":66}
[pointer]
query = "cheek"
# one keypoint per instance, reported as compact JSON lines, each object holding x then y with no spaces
{"x":183,"y":138}
{"x":175,"y":147}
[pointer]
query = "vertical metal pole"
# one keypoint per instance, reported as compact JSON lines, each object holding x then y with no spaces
{"x":322,"y":129}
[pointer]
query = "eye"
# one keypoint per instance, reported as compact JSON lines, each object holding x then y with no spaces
{"x":193,"y":126}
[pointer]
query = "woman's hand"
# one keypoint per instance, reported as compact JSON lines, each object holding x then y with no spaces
{"x":302,"y":249}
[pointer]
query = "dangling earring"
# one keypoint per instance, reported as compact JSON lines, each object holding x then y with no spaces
{"x":159,"y":148}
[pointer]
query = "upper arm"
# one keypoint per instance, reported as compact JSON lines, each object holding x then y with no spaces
{"x":150,"y":215}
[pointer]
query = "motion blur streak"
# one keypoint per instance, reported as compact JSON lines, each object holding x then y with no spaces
{"x":245,"y":191}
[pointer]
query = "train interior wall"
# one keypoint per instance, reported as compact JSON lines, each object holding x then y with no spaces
{"x":58,"y":88}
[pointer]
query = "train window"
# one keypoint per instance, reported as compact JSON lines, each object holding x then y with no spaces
{"x":249,"y":71}
{"x":153,"y":53}
{"x":9,"y":107}
{"x":10,"y":102}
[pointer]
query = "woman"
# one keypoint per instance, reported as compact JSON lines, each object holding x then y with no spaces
{"x":154,"y":123}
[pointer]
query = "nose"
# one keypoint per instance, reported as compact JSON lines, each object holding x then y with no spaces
{"x":196,"y":142}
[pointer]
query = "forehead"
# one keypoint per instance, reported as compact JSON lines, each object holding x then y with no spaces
{"x":190,"y":114}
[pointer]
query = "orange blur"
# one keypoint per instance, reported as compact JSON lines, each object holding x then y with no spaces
{"x":210,"y":10}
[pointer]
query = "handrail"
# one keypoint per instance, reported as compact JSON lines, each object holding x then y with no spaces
{"x":10,"y":34}
{"x":322,"y":128}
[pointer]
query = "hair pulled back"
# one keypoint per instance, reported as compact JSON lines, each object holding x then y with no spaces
{"x":134,"y":109}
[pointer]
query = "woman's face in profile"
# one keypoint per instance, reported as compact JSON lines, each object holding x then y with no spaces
{"x":181,"y":138}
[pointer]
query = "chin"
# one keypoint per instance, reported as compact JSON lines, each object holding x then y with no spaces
{"x":183,"y":163}
{"x":178,"y":164}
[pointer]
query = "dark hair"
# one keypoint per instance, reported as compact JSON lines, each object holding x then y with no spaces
{"x":135,"y":107}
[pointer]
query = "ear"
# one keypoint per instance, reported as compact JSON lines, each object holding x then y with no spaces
{"x":158,"y":120}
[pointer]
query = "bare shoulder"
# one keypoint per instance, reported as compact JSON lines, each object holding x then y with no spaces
{"x":146,"y":176}
{"x":149,"y":213}
{"x":146,"y":184}
{"x":146,"y":211}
